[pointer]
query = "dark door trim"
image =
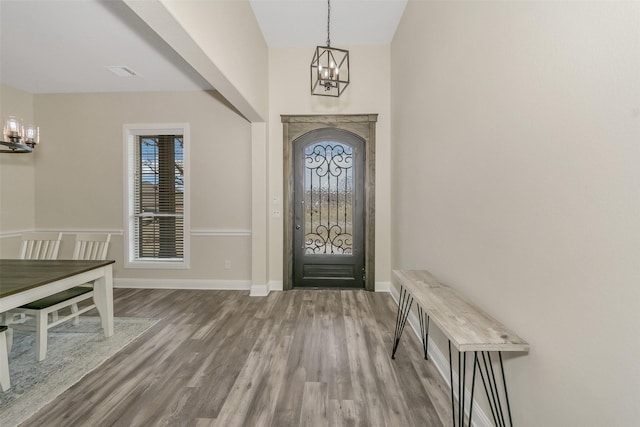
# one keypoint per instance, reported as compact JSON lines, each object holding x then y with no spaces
{"x":363,"y":125}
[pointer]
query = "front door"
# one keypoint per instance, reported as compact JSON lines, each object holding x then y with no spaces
{"x":329,"y":215}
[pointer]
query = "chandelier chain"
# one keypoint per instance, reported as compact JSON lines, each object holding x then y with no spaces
{"x":328,"y":23}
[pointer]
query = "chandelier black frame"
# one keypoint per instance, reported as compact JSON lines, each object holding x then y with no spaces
{"x":329,"y":66}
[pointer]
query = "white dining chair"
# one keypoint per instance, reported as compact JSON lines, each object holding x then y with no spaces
{"x":87,"y":247}
{"x":5,"y":382}
{"x":40,"y":245}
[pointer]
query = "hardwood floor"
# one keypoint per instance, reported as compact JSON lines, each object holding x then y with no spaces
{"x":222,"y":358}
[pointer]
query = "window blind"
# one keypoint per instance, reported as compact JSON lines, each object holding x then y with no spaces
{"x":159,"y":197}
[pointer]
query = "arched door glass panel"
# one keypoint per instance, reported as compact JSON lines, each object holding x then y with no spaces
{"x":328,"y":196}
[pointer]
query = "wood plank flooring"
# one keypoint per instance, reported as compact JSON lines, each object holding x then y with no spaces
{"x":224,"y":359}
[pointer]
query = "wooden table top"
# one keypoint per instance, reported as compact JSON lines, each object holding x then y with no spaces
{"x":467,"y":326}
{"x":17,"y":275}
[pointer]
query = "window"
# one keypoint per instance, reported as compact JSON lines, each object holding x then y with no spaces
{"x":157,"y":196}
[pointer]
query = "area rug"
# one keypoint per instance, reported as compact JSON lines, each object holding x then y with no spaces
{"x":73,"y":352}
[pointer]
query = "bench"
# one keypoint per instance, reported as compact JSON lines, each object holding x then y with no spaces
{"x":469,"y":329}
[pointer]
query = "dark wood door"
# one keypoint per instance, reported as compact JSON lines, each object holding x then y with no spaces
{"x":328,"y":235}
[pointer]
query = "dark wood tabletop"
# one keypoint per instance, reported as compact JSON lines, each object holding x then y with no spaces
{"x":17,"y":275}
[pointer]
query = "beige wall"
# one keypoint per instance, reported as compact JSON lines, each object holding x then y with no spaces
{"x":368,"y":92}
{"x":17,"y":199}
{"x":79,"y":174}
{"x":516,"y":140}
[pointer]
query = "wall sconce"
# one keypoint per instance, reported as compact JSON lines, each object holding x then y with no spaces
{"x":18,"y":138}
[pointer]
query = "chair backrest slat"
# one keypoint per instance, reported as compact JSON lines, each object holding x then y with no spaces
{"x":90,"y":246}
{"x":40,"y":245}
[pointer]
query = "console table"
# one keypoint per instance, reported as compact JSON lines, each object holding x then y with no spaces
{"x":469,"y":329}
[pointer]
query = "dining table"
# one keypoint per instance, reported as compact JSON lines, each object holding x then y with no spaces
{"x":25,"y":281}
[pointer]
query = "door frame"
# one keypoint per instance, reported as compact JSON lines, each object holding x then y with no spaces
{"x":363,"y":125}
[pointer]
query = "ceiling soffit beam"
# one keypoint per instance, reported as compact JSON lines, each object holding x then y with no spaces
{"x":160,"y":20}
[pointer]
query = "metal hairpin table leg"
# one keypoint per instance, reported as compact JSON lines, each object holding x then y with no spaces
{"x":473,"y":385}
{"x":491,"y":389}
{"x":424,"y":330}
{"x":453,"y":407}
{"x":404,"y":308}
{"x":459,"y":420}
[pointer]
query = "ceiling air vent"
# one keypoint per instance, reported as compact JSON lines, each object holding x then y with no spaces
{"x":122,"y":71}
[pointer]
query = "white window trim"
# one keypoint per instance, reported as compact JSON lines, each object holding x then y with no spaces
{"x":130,"y":134}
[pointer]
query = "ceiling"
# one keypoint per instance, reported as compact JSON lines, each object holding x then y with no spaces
{"x":288,"y":23}
{"x":62,"y":46}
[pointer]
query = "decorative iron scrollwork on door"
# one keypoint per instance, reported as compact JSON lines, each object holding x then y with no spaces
{"x":328,"y":198}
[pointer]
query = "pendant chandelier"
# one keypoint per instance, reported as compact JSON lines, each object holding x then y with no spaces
{"x":18,"y":138}
{"x":329,"y":66}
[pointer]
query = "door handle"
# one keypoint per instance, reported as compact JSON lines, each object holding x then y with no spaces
{"x":297,"y":227}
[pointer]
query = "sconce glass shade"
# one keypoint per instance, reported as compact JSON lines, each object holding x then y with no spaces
{"x":329,"y":71}
{"x":13,"y":129}
{"x":31,"y":135}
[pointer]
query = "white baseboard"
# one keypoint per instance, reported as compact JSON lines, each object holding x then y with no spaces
{"x":193,"y":284}
{"x":259,"y":290}
{"x":383,"y":286}
{"x":275,"y":285}
{"x":262,"y":290}
{"x":480,"y":419}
